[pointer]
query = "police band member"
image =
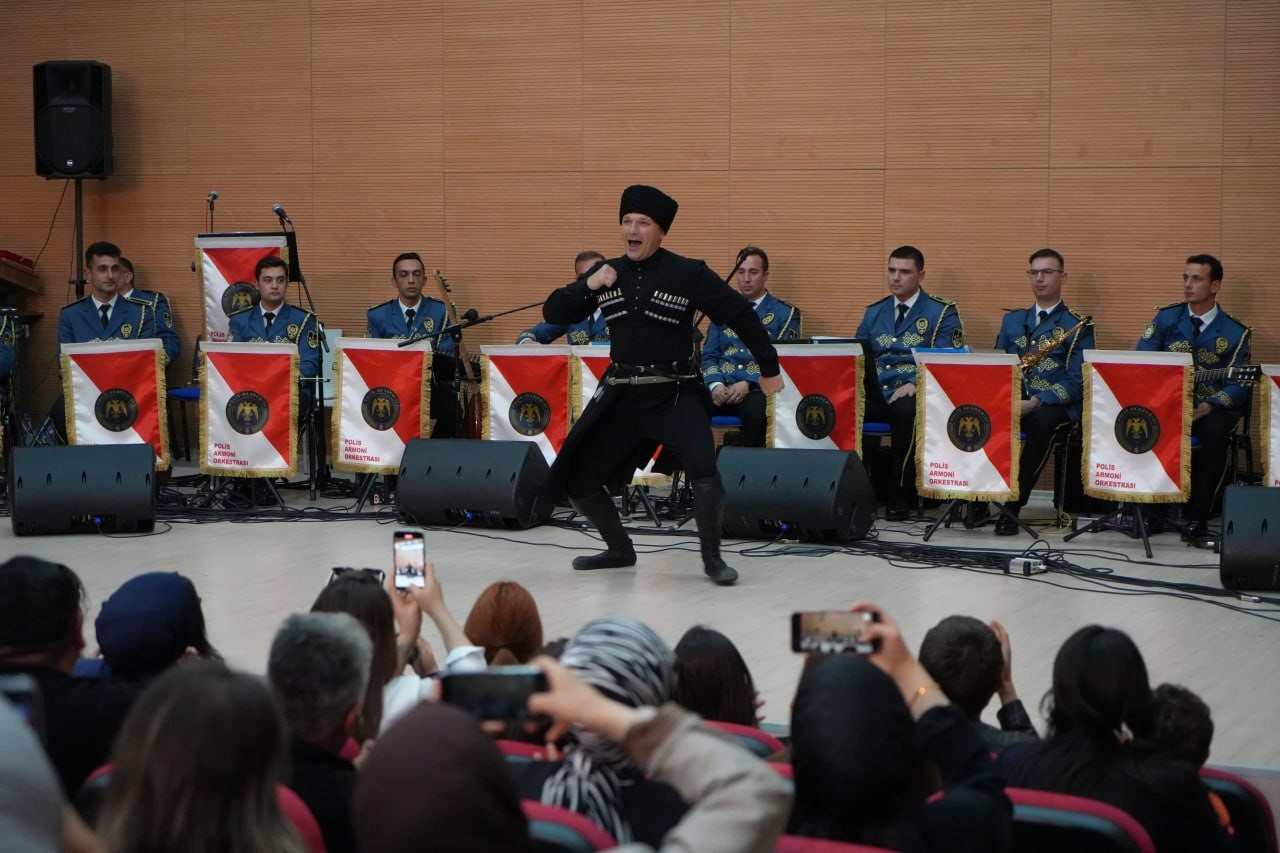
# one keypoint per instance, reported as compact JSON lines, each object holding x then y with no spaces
{"x":158,"y":304}
{"x":1050,"y":339}
{"x":908,"y":317}
{"x":275,"y":321}
{"x":8,"y":340}
{"x":1216,"y":340}
{"x":593,"y":330}
{"x":730,"y":372}
{"x":652,"y":392}
{"x":412,"y":315}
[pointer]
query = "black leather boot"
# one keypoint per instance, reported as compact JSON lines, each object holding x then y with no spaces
{"x":708,"y":511}
{"x":603,"y":515}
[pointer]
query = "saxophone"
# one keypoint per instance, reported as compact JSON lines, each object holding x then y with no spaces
{"x":1042,"y":350}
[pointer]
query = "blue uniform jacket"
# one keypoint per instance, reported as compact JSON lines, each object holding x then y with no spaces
{"x":80,"y":322}
{"x":387,"y":321}
{"x":931,"y":322}
{"x":726,"y":359}
{"x":1058,"y":378}
{"x":160,"y":315}
{"x":593,"y":330}
{"x":8,"y":339}
{"x":292,"y":325}
{"x":1222,"y":343}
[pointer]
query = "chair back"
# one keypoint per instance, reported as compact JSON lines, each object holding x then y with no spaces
{"x":801,"y":844}
{"x":1251,"y":818}
{"x":1045,"y":822}
{"x":557,"y":830}
{"x":758,"y":741}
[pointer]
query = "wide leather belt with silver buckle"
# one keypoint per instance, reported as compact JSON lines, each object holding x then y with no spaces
{"x":639,"y":380}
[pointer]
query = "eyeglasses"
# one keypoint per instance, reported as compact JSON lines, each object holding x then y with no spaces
{"x":338,"y":571}
{"x":1034,"y":274}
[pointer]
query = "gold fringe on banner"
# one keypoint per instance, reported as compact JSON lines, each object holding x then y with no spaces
{"x":770,"y":411}
{"x":917,"y":454}
{"x":1015,"y":434}
{"x":576,"y":366}
{"x":860,"y":403}
{"x":428,"y":372}
{"x":335,"y":427}
{"x":1086,"y":434}
{"x":202,"y":369}
{"x":486,"y":431}
{"x":1269,"y":474}
{"x":68,"y":400}
{"x":1188,"y":399}
{"x":165,"y":462}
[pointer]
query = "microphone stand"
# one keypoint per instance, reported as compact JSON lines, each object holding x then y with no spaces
{"x":317,"y":467}
{"x":465,"y":324}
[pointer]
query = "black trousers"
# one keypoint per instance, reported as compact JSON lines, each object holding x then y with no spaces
{"x":671,"y":414}
{"x":444,"y":409}
{"x":1042,"y":428}
{"x":901,"y":418}
{"x":752,"y":411}
{"x":1209,"y":460}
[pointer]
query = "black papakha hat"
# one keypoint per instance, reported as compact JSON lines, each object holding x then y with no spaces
{"x":650,"y":201}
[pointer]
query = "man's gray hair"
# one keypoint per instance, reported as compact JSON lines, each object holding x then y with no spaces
{"x":318,"y":669}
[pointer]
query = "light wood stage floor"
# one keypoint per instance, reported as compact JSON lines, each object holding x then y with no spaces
{"x":251,"y":575}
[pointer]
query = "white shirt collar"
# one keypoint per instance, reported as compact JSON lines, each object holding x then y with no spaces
{"x":910,"y":303}
{"x":413,"y":307}
{"x":1207,"y":317}
{"x":111,"y":303}
{"x":1036,"y":309}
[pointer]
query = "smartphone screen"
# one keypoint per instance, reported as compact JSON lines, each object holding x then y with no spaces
{"x":830,"y":632}
{"x":497,"y":693}
{"x":410,"y":556}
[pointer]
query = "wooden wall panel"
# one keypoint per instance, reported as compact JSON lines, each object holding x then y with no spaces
{"x":376,"y":79}
{"x":1126,"y":234}
{"x":513,"y":85}
{"x":656,"y":85}
{"x":967,"y":84}
{"x":1251,"y":124}
{"x":976,"y":229}
{"x":249,"y":73}
{"x":31,"y":31}
{"x":808,"y":85}
{"x":1137,"y":84}
{"x":1250,"y":201}
{"x":824,"y":232}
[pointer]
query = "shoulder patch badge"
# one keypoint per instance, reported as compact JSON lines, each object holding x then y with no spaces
{"x":1149,"y":332}
{"x":957,"y":339}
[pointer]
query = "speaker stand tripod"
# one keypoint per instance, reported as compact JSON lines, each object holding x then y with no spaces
{"x":1139,"y":521}
{"x":958,"y":504}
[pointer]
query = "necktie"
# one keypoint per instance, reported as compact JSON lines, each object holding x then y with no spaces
{"x":902,"y":313}
{"x":270,"y":317}
{"x":1044,"y":315}
{"x":104,"y":309}
{"x":1197,"y":324}
{"x":408,"y":319}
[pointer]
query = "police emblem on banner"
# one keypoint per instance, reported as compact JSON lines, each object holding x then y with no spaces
{"x":247,"y":412}
{"x":238,"y":297}
{"x":529,"y":413}
{"x":116,"y":409}
{"x":380,"y":408}
{"x":1137,"y":429}
{"x":815,"y":416}
{"x":969,"y":428}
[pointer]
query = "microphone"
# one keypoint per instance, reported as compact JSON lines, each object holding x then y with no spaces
{"x":470,"y":315}
{"x":213,"y":194}
{"x":280,"y":214}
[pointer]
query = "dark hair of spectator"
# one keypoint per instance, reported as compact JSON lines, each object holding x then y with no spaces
{"x":195,"y":767}
{"x":1100,"y":688}
{"x":712,"y":679}
{"x":1184,"y":725}
{"x":963,"y":656}
{"x":505,"y":621}
{"x":40,"y":603}
{"x":364,"y":598}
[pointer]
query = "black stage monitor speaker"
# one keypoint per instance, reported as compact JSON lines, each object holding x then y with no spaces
{"x":445,"y":481}
{"x":107,"y":488}
{"x":1250,"y":556}
{"x":820,"y":495}
{"x":72,"y":102}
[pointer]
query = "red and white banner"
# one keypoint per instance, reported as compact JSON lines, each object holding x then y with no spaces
{"x":382,"y":402}
{"x":820,"y":404}
{"x":1137,"y":425}
{"x":1270,"y":424}
{"x":527,"y":391}
{"x":249,"y":409}
{"x":227,"y":264}
{"x":968,"y":406}
{"x":114,"y":394}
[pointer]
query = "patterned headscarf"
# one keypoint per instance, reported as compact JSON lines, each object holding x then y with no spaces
{"x":625,"y":660}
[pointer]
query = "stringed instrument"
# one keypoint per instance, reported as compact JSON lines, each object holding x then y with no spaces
{"x":1245,"y":374}
{"x":469,"y":380}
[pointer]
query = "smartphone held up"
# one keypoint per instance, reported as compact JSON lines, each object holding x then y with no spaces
{"x":832,"y":632}
{"x":408,"y":549}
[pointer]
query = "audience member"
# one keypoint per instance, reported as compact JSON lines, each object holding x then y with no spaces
{"x":712,"y":679}
{"x":318,"y":670}
{"x":971,"y":662}
{"x":862,"y":731}
{"x":359,"y":594}
{"x":196,"y":766}
{"x":31,"y":804}
{"x":1101,"y":715}
{"x":463,"y":799}
{"x":152,"y":621}
{"x":41,"y":634}
{"x":626,"y":661}
{"x":1184,"y":731}
{"x":505,"y":622}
